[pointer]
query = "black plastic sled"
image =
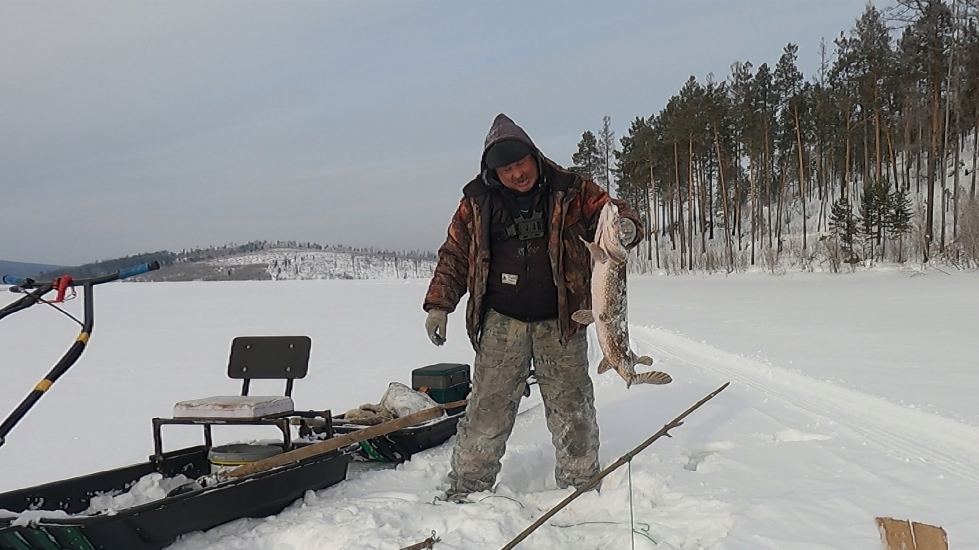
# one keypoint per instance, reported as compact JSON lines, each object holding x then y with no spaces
{"x":156,"y":524}
{"x":70,"y":525}
{"x":189,"y":508}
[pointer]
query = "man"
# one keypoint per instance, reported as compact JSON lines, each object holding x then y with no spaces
{"x":515,"y":244}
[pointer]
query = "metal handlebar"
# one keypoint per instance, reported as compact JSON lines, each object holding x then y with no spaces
{"x":15,"y":280}
{"x":34,"y":292}
{"x":27,"y":282}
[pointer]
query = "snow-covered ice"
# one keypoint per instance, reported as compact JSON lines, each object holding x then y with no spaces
{"x":852,"y":396}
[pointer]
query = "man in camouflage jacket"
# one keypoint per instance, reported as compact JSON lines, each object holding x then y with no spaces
{"x":515,"y":245}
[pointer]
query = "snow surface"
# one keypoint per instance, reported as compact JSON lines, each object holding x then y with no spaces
{"x":852,"y":397}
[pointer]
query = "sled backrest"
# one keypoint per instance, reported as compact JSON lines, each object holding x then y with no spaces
{"x":269,"y":357}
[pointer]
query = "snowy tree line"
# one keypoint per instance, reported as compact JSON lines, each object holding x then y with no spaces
{"x":399,"y":264}
{"x":211,"y":253}
{"x":287,"y":263}
{"x":871,"y":159}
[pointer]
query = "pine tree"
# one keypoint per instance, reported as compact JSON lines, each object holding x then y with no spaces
{"x":873,"y":208}
{"x":843,"y":224}
{"x":587,"y":160}
{"x":793,"y":115}
{"x":898,"y":215}
{"x":925,"y":44}
{"x":744,"y":129}
{"x":606,"y":150}
{"x":897,"y":218}
{"x":632,"y":168}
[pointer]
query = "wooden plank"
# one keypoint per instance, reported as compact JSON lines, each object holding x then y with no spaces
{"x":929,"y":537}
{"x":901,"y":534}
{"x":340,"y":441}
{"x":895,"y":534}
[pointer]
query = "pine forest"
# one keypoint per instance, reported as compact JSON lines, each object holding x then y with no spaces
{"x":870,"y":160}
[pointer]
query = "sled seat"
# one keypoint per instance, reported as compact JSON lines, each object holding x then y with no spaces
{"x":255,"y":357}
{"x":234,"y":406}
{"x":252,"y":358}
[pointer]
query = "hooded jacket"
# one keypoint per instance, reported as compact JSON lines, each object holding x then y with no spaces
{"x":573,"y":205}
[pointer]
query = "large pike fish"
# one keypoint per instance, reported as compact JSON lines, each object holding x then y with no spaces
{"x":609,"y":304}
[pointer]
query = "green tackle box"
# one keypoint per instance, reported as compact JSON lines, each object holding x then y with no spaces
{"x":445,"y":382}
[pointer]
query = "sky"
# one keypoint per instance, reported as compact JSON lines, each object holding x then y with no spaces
{"x":128,"y":127}
{"x":840,"y":409}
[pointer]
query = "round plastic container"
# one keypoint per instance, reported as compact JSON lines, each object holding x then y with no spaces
{"x":229,"y":457}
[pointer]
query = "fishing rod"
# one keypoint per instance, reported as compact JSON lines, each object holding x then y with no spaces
{"x":34,"y":292}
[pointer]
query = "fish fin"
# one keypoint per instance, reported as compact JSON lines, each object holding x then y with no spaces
{"x":618,"y":257}
{"x":583,"y":316}
{"x":642,"y":360}
{"x":605,"y":365}
{"x":652,"y":377}
{"x":597,"y":252}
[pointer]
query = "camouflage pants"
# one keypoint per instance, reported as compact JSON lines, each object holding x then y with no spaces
{"x":506,"y":349}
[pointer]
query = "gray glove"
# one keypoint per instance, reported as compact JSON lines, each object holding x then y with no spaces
{"x":435,"y":325}
{"x":627,"y":231}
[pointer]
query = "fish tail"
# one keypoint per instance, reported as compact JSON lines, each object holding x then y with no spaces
{"x":652,"y":377}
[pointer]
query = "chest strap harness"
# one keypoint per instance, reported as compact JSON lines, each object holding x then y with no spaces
{"x":525,"y":226}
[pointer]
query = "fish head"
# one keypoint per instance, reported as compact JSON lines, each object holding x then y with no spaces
{"x":607,"y":232}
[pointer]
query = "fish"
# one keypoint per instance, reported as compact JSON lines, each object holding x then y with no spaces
{"x":609,"y":304}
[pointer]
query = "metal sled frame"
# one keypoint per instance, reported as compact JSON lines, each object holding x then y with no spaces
{"x":256,"y":357}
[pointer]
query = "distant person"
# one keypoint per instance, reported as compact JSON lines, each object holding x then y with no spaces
{"x":515,"y":244}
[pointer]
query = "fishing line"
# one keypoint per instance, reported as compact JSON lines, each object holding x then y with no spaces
{"x":502,"y":496}
{"x":632,"y":516}
{"x":644,"y":531}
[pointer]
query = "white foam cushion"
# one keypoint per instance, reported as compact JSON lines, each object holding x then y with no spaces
{"x":234,"y":406}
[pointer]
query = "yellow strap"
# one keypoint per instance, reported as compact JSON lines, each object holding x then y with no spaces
{"x":82,"y":337}
{"x":43,"y":385}
{"x":217,"y":462}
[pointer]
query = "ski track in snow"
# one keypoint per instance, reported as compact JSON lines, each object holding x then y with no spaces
{"x":910,"y":433}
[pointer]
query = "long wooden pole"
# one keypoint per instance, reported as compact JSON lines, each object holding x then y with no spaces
{"x":428,"y":543}
{"x":335,"y":443}
{"x":615,"y":465}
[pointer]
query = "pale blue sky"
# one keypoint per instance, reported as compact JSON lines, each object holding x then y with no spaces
{"x":128,"y":127}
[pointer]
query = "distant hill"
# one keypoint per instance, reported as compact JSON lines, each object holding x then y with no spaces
{"x":24,"y":269}
{"x":286,"y":263}
{"x":268,"y":260}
